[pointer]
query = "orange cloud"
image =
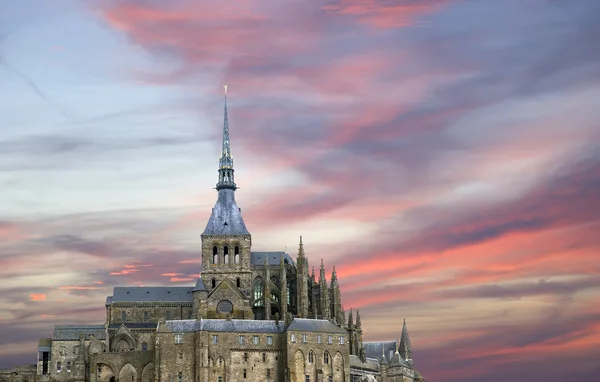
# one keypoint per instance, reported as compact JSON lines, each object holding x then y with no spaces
{"x":37,"y":297}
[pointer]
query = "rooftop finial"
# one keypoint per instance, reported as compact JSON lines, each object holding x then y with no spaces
{"x":226,"y":179}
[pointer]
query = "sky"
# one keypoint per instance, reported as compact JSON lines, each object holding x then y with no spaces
{"x":444,"y":155}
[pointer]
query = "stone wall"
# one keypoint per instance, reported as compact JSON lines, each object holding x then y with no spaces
{"x":149,"y":312}
{"x":23,"y":373}
{"x":319,"y":366}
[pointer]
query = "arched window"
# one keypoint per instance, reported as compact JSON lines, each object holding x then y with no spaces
{"x":257,"y":290}
{"x":146,"y":317}
{"x":213,"y":283}
{"x":311,"y":357}
{"x":123,"y":316}
{"x":225,"y":255}
{"x":236,"y":254}
{"x":238,"y":282}
{"x":144,"y":346}
{"x":168,"y":315}
{"x":326,"y":358}
{"x":215,"y":255}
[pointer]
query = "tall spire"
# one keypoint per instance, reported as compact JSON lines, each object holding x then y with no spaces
{"x":405,"y":348}
{"x":226,"y":178}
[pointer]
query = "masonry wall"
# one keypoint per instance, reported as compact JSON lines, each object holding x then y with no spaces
{"x":335,"y":364}
{"x":156,"y":311}
{"x":173,"y":358}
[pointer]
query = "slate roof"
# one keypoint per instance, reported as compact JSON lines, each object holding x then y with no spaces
{"x":370,"y":363}
{"x":109,"y":300}
{"x":199,"y":285}
{"x":132,"y":294}
{"x":373,"y":349}
{"x":222,"y":325}
{"x":312,"y":325}
{"x":74,"y":332}
{"x":135,"y":325}
{"x":45,"y":344}
{"x":258,"y":258}
{"x":226,"y":216}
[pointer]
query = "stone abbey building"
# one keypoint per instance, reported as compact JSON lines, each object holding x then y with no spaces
{"x":251,"y":316}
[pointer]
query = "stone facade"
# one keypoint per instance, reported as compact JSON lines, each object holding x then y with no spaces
{"x":251,"y":316}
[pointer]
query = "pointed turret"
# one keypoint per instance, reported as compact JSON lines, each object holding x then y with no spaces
{"x":358,"y":325}
{"x":337,"y":313}
{"x":325,"y":310}
{"x":405,"y":347}
{"x":350,"y":322}
{"x":226,"y":217}
{"x":226,"y":178}
{"x":302,"y":279}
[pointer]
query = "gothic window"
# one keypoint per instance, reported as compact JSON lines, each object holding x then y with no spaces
{"x":236,"y":254}
{"x":213,"y":283}
{"x":168,"y":315}
{"x":257,"y":290}
{"x":123,"y":316}
{"x":215,"y":255}
{"x":146,"y":315}
{"x":311,"y":357}
{"x":326,"y":358}
{"x":226,"y":255}
{"x":238,"y":282}
{"x":144,"y":346}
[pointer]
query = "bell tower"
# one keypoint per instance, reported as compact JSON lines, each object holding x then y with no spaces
{"x":226,"y":241}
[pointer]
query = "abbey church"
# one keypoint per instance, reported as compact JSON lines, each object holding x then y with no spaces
{"x":251,"y":316}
